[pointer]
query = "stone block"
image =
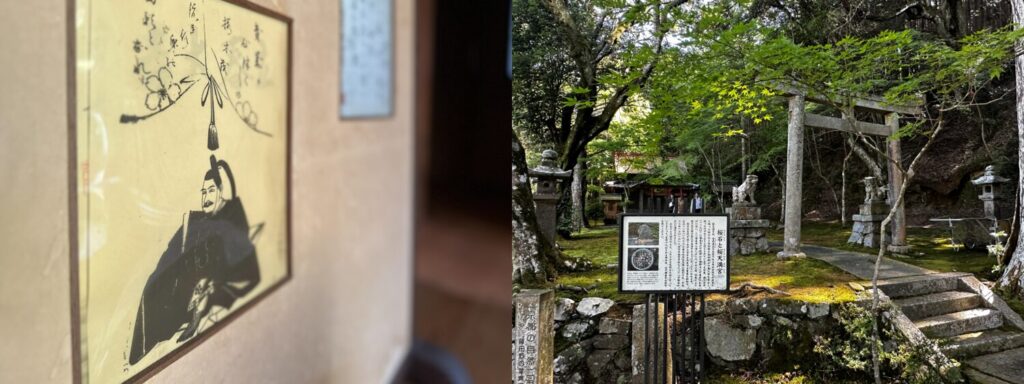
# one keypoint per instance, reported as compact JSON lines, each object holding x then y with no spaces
{"x":957,"y":323}
{"x":729,"y":343}
{"x":599,"y":361}
{"x":747,"y":237}
{"x":816,"y":310}
{"x":742,"y":306}
{"x":900,"y":249}
{"x":564,"y":309}
{"x":858,"y":226}
{"x":782,"y":307}
{"x":593,"y":306}
{"x":638,"y":343}
{"x":762,"y":244}
{"x":754,"y":233}
{"x":737,"y":224}
{"x":870,"y":218}
{"x":874,"y":208}
{"x":713,"y":307}
{"x":533,"y":336}
{"x":901,"y":287}
{"x":740,"y":212}
{"x":866,"y":230}
{"x":569,"y":358}
{"x":785,"y":322}
{"x":855,"y":238}
{"x":734,"y":245}
{"x":748,"y":321}
{"x":614,"y":326}
{"x":748,"y":246}
{"x":611,"y":342}
{"x":622,"y":362}
{"x":578,"y":329}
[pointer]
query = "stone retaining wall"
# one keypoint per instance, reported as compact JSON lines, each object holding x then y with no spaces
{"x":593,"y":343}
{"x":764,"y":333}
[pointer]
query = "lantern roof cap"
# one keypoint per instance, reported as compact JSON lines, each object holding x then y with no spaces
{"x":989,"y":177}
{"x":549,"y":167}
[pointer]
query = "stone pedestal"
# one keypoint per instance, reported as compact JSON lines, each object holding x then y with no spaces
{"x":867,"y":224}
{"x":547,"y":215}
{"x":900,"y":249}
{"x":533,"y":347}
{"x":640,"y":341}
{"x":747,"y":230}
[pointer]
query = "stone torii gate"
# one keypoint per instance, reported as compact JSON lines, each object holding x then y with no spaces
{"x":798,"y":118}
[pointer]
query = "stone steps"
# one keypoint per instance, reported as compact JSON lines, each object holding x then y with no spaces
{"x":976,"y":376}
{"x":1006,"y":367}
{"x":972,"y":344}
{"x":965,"y":325}
{"x":920,"y":285}
{"x":933,"y":304}
{"x":956,"y":323}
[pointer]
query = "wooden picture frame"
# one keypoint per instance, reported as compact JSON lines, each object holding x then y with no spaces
{"x":135,"y":160}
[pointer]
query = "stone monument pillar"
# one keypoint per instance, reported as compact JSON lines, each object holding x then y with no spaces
{"x":746,"y":228}
{"x":794,"y":179}
{"x":988,"y":195}
{"x":867,"y":223}
{"x":547,"y":176}
{"x":643,"y":338}
{"x":533,"y":338}
{"x":899,"y":219}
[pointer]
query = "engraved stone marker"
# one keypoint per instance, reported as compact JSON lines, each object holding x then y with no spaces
{"x":533,"y":337}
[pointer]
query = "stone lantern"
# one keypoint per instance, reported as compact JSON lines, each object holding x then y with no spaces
{"x":547,"y":176}
{"x":987,"y":183}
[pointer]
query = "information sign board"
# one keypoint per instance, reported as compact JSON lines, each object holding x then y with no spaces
{"x":673,"y":253}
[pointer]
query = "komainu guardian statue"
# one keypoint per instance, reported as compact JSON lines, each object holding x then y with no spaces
{"x":744,"y":194}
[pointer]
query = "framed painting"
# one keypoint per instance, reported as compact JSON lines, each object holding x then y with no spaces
{"x":180,"y":151}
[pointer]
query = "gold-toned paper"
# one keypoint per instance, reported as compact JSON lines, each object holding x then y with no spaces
{"x":167,"y":91}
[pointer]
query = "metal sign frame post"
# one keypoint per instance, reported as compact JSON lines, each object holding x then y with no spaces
{"x":676,"y":259}
{"x":681,"y":325}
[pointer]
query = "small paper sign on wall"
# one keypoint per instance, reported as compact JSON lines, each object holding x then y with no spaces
{"x":367,"y":67}
{"x":672,"y":253}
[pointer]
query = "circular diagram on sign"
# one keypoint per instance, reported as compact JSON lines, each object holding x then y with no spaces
{"x":642,"y":259}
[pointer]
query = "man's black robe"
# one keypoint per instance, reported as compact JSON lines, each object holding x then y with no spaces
{"x":216,"y":247}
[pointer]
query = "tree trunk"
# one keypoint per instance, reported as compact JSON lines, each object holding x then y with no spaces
{"x":842,"y":205}
{"x":564,"y":210}
{"x":861,"y":153}
{"x":533,"y":255}
{"x":782,"y":191}
{"x":578,"y":196}
{"x":1013,"y":274}
{"x":1011,"y":237}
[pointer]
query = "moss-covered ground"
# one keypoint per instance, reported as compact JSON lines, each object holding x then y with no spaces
{"x":804,"y":279}
{"x":772,"y":378}
{"x":931,"y":247}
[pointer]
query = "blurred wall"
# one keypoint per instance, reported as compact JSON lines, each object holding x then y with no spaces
{"x":463,"y":258}
{"x":345,"y":315}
